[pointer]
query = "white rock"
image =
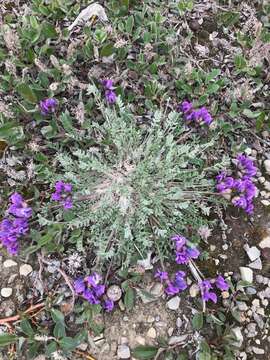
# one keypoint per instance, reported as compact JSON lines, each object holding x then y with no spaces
{"x":265,"y":202}
{"x":194,"y":290}
{"x":6,"y":292}
{"x":177,"y":339}
{"x":173,"y":303}
{"x":151,"y":333}
{"x":123,"y":352}
{"x":257,"y":350}
{"x":265,"y":243}
{"x":257,"y":264}
{"x":267,"y":185}
{"x":259,"y":279}
{"x":114,"y":293}
{"x":25,"y":269}
{"x":239,"y":337}
{"x":9,"y":263}
{"x":253,"y":252}
{"x":225,"y":294}
{"x":146,"y":263}
{"x":267,"y":166}
{"x":140,"y":340}
{"x":261,"y":179}
{"x":246,"y":274}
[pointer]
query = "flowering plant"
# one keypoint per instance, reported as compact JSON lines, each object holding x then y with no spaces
{"x":133,"y":186}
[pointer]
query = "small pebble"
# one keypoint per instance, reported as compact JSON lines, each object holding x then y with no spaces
{"x":9,"y":263}
{"x":123,"y":352}
{"x":25,"y":269}
{"x":257,"y":350}
{"x":151,"y":333}
{"x":6,"y":292}
{"x":194,"y":290}
{"x":173,"y":303}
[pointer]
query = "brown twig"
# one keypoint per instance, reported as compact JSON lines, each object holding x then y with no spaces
{"x":66,"y":278}
{"x":84,"y":355}
{"x":18,"y":317}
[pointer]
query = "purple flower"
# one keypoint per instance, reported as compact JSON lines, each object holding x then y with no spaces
{"x":193,"y":253}
{"x":47,"y":106}
{"x":108,"y":84}
{"x":59,"y":186}
{"x":182,"y":257}
{"x":221,"y":283}
{"x":93,"y":280}
{"x":15,"y":226}
{"x":180,"y":241}
{"x":68,"y":204}
{"x":62,"y":194}
{"x":67,"y":187}
{"x":171,"y":289}
{"x":246,"y":165}
{"x":90,"y":297}
{"x":240,"y":201}
{"x":16,"y":199}
{"x":162,"y":275}
{"x":99,"y":290}
{"x":210,"y":295}
{"x":56,"y":196}
{"x":79,"y":286}
{"x":221,"y":176}
{"x":250,"y":208}
{"x":207,"y":295}
{"x":110,"y":96}
{"x":185,"y":107}
{"x":179,"y":281}
{"x":199,"y":116}
{"x":108,"y":305}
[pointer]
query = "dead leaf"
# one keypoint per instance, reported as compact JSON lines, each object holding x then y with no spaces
{"x":86,"y":14}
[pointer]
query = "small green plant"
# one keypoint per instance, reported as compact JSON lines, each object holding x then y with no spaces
{"x":135,"y":186}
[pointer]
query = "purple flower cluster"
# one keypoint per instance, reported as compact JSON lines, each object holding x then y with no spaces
{"x":199,"y":116}
{"x":15,"y":224}
{"x":92,"y":290}
{"x":47,"y":106}
{"x":110,"y":94}
{"x":243,"y":187}
{"x":174,"y":286}
{"x":183,"y":252}
{"x":62,"y":194}
{"x":206,"y":288}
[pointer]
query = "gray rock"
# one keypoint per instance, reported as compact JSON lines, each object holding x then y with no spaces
{"x":258,"y":320}
{"x":179,"y":322}
{"x":25,"y":269}
{"x":251,"y":291}
{"x":238,"y":335}
{"x":257,"y":264}
{"x":265,"y":243}
{"x":259,"y":279}
{"x":257,"y":350}
{"x":252,"y":252}
{"x":242,"y":306}
{"x":267,"y":166}
{"x":123,"y":352}
{"x":157,"y":290}
{"x":173,"y":303}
